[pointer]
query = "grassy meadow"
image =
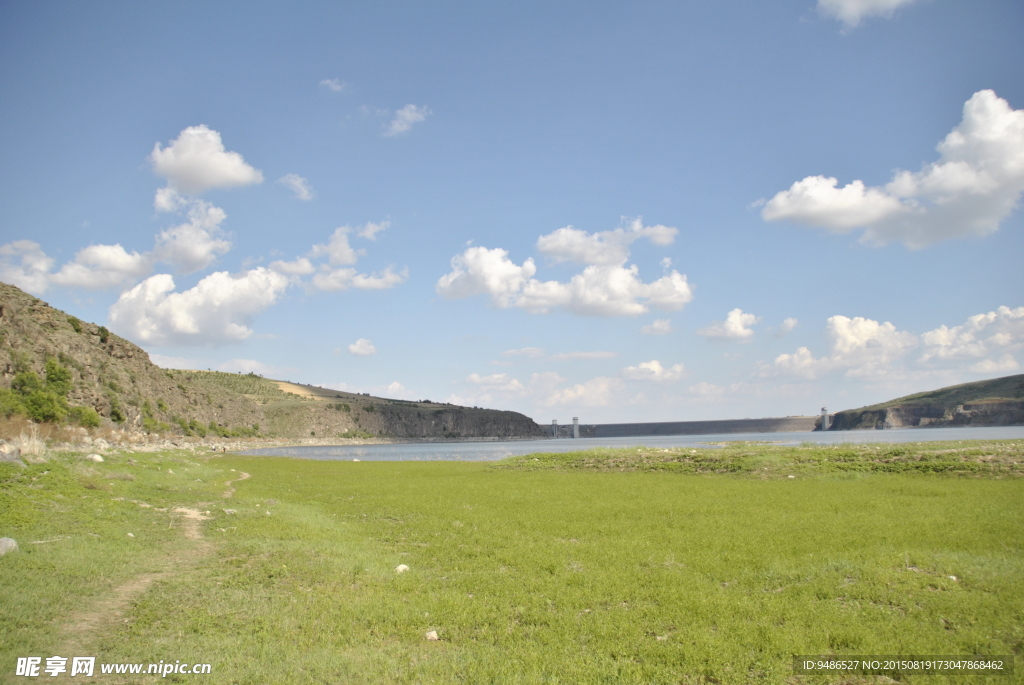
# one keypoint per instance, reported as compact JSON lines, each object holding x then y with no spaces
{"x":603,"y":566}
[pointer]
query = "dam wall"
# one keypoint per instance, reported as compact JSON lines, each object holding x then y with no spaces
{"x":772,"y":425}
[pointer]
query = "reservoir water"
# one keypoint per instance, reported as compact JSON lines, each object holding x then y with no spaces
{"x":492,"y":451}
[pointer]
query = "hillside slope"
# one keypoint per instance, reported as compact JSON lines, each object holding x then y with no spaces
{"x":995,"y":402}
{"x":118,"y":379}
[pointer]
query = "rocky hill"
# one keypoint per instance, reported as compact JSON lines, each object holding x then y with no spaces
{"x":996,"y":402}
{"x":118,"y":379}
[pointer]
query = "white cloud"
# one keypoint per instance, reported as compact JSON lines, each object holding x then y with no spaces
{"x":654,"y":371}
{"x":371,"y":229}
{"x":219,"y":309}
{"x":989,"y":338}
{"x":24,"y":264}
{"x":194,"y":245}
{"x":479,"y":271}
{"x":705,"y":389}
{"x":658,"y":327}
{"x":500,"y":382}
{"x":362,"y":348}
{"x":578,"y":356}
{"x":859,"y":347}
{"x":976,"y":183}
{"x":296,"y":267}
{"x":253,"y":366}
{"x":597,"y":290}
{"x":529,"y":352}
{"x":336,"y":249}
{"x":604,"y":247}
{"x":735,"y":327}
{"x":852,"y":12}
{"x":597,"y":392}
{"x":333,"y":84}
{"x":103,"y":266}
{"x":788,"y":325}
{"x":297,"y":185}
{"x":345,"y":278}
{"x":405,"y":118}
{"x":196,"y":161}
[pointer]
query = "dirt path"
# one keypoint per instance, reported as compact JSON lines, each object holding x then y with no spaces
{"x":242,"y":475}
{"x":85,"y":627}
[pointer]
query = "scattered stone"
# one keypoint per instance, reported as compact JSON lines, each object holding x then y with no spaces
{"x":355,"y":460}
{"x":229,"y":512}
{"x":790,"y":476}
{"x":101,"y":444}
{"x":268,"y":513}
{"x":953,"y":578}
{"x":131,"y":535}
{"x":9,"y":454}
{"x":94,"y":457}
{"x":431,"y":635}
{"x":8,"y":545}
{"x":169,"y":471}
{"x":401,"y":568}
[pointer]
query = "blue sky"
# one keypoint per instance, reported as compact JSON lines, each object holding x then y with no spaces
{"x":663,"y":211}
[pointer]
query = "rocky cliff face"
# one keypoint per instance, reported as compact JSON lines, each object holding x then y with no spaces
{"x":984,"y":413}
{"x":118,"y":379}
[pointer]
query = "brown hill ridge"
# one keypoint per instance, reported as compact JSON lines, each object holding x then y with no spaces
{"x":117,"y":378}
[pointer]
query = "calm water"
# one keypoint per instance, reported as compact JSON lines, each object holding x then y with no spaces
{"x":491,"y":451}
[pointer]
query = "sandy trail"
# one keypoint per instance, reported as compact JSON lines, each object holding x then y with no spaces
{"x":242,"y":475}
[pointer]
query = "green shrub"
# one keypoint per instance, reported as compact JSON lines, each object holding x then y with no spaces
{"x":25,"y":382}
{"x":58,"y":378}
{"x":76,"y":323}
{"x":116,"y":413}
{"x":10,"y":403}
{"x":370,"y":408}
{"x":84,"y":416}
{"x":43,"y":405}
{"x":161,"y":405}
{"x":104,"y":334}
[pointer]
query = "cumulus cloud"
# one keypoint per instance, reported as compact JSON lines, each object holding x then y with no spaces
{"x":597,"y":392}
{"x":196,"y":244}
{"x":197,"y":161}
{"x":297,"y":267}
{"x":599,"y":290}
{"x":405,"y":118}
{"x":852,"y":12}
{"x":604,"y":247}
{"x":362,"y":348}
{"x":654,"y":371}
{"x":24,"y":264}
{"x":705,"y":389}
{"x":976,"y":183}
{"x":499,"y":382}
{"x":988,"y":339}
{"x":219,"y":309}
{"x":788,"y":325}
{"x":658,"y":327}
{"x":336,"y":249}
{"x":333,"y":84}
{"x":103,"y":266}
{"x":371,"y":229}
{"x":343,"y":279}
{"x":165,"y":362}
{"x":859,"y":347}
{"x":735,"y":327}
{"x":298,"y":185}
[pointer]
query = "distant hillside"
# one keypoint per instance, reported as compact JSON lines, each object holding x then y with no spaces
{"x":117,"y":378}
{"x":996,"y":402}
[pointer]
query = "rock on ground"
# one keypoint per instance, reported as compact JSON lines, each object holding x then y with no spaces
{"x":8,"y":545}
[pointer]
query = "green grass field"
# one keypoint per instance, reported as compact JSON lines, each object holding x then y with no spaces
{"x":610,"y":566}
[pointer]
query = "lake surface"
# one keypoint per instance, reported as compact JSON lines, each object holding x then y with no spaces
{"x":492,"y":451}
